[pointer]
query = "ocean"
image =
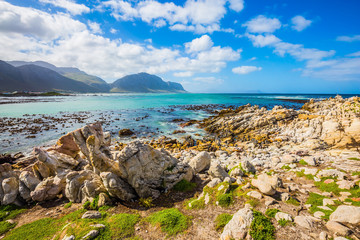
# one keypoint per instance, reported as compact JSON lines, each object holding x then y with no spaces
{"x":26,"y":122}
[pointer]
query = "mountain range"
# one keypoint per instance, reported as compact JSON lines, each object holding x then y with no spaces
{"x":41,"y":76}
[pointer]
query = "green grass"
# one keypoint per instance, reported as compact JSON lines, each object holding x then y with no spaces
{"x":171,"y":221}
{"x":225,"y":200}
{"x":293,"y":201}
{"x":353,"y":158}
{"x":253,"y":202}
{"x":221,"y":220}
{"x":5,"y":227}
{"x":42,"y":229}
{"x":123,"y":225}
{"x":286,"y":167}
{"x":184,"y":186}
{"x":283,"y":222}
{"x":328,"y":187}
{"x":68,"y":205}
{"x":261,"y":227}
{"x":355,"y":173}
{"x":316,"y":200}
{"x":238,"y":166}
{"x":302,"y":162}
{"x":302,"y":174}
{"x":91,"y":205}
{"x":195,"y":203}
{"x":271,"y":212}
{"x":10,"y":212}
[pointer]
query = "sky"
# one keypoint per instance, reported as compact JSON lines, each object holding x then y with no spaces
{"x":232,"y":46}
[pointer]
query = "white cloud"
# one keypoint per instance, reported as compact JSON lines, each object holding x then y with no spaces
{"x":208,"y":80}
{"x":252,"y":59}
{"x":245,"y":69}
{"x":348,"y":38}
{"x":183,"y":74}
{"x":263,"y":40}
{"x":237,"y":5}
{"x":29,"y":34}
{"x":113,"y":30}
{"x":95,"y":27}
{"x":355,"y":54}
{"x":262,"y":24}
{"x":199,"y":44}
{"x":71,"y":6}
{"x":299,"y":23}
{"x":38,"y":24}
{"x":199,"y":16}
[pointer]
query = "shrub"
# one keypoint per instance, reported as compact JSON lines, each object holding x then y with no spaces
{"x":261,"y":227}
{"x":283,"y":222}
{"x":146,"y":202}
{"x":184,"y":186}
{"x":221,"y":220}
{"x":171,"y":221}
{"x":225,"y":199}
{"x":302,"y":162}
{"x":293,"y":201}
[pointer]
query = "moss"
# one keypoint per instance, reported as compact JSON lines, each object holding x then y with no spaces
{"x":261,"y":227}
{"x":42,"y":229}
{"x":221,"y":220}
{"x":171,"y":221}
{"x":123,"y":225}
{"x":5,"y":227}
{"x":68,"y":205}
{"x":253,"y":202}
{"x":271,"y":212}
{"x":302,"y":162}
{"x":286,"y":167}
{"x":302,"y":174}
{"x":293,"y":201}
{"x":195,"y":203}
{"x":225,"y":200}
{"x":355,"y":159}
{"x":146,"y":202}
{"x":184,"y":186}
{"x":355,"y":173}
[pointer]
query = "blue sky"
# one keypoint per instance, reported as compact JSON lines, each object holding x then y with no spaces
{"x":207,"y":45}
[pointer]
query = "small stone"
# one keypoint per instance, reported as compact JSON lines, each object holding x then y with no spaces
{"x":91,"y":215}
{"x":72,"y":237}
{"x":99,"y":225}
{"x":304,"y":221}
{"x":325,"y":208}
{"x":327,"y":181}
{"x":213,"y":182}
{"x":254,"y":194}
{"x":327,"y":201}
{"x":319,"y":214}
{"x":285,"y":216}
{"x":91,"y":235}
{"x":323,"y":236}
{"x":284,"y":197}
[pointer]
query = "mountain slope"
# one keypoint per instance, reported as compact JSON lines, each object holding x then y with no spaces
{"x":144,"y":83}
{"x":69,"y":72}
{"x":38,"y":79}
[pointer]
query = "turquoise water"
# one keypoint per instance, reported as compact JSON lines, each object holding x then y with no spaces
{"x":149,"y":115}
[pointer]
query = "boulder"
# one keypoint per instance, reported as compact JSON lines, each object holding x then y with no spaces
{"x":10,"y":190}
{"x":238,"y":226}
{"x":125,"y":132}
{"x":150,"y":171}
{"x":216,"y":171}
{"x":83,"y":186}
{"x":48,"y":189}
{"x":200,"y":162}
{"x":104,"y":200}
{"x":338,"y":228}
{"x":267,"y":184}
{"x":304,"y":221}
{"x":346,"y":214}
{"x":117,"y":187}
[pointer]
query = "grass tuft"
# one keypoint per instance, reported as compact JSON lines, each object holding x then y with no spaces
{"x":271,"y":212}
{"x":171,"y":221}
{"x":184,"y":186}
{"x":123,"y":225}
{"x":293,"y":201}
{"x":146,"y":202}
{"x":225,"y":200}
{"x":221,"y":220}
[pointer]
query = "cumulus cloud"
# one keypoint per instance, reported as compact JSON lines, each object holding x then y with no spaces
{"x":199,"y":16}
{"x":348,"y":38}
{"x":29,"y":34}
{"x":199,"y":44}
{"x":355,"y":54}
{"x":299,"y":23}
{"x":71,"y":6}
{"x":262,"y":24}
{"x":263,"y":40}
{"x":36,"y":23}
{"x":183,"y":74}
{"x":245,"y":69}
{"x":95,"y":27}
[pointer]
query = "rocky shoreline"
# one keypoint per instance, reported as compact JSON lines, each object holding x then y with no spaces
{"x":257,"y":174}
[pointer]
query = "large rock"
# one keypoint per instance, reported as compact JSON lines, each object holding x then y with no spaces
{"x":27,"y":184}
{"x":304,"y":221}
{"x":346,"y":214}
{"x":267,"y":184}
{"x":117,"y":187}
{"x":338,"y":228}
{"x":10,"y":190}
{"x":217,"y":171}
{"x":150,"y":171}
{"x":238,"y":226}
{"x":48,"y":189}
{"x":83,"y":186}
{"x":200,"y":162}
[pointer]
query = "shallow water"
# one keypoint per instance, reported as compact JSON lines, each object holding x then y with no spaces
{"x":149,"y":115}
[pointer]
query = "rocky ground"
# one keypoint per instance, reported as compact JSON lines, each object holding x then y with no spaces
{"x":258,"y":174}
